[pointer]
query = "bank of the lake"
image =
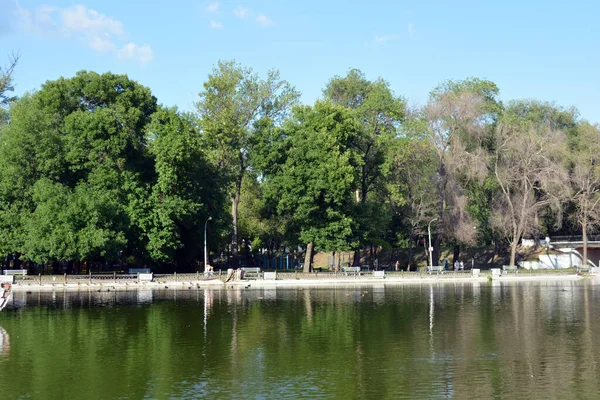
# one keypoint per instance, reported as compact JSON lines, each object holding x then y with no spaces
{"x":190,"y":281}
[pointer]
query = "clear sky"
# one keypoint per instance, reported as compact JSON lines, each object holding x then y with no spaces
{"x":547,"y":50}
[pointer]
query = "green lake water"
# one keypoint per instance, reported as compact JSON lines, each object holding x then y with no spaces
{"x":464,"y":340}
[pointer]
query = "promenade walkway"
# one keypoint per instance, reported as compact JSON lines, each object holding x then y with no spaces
{"x":166,"y":281}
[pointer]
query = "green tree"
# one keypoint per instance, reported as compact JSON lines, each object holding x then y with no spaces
{"x":234,"y":103}
{"x":411,"y":172}
{"x":71,"y":224}
{"x":184,"y":193}
{"x":316,"y":182}
{"x":380,"y":113}
{"x":76,"y":147}
{"x":260,"y":225}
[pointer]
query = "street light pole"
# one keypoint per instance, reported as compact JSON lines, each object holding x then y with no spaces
{"x":205,"y":253}
{"x":430,"y":246}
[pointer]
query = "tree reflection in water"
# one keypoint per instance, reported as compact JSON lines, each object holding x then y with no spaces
{"x":423,"y":340}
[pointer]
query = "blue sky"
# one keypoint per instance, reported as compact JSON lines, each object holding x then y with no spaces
{"x":547,"y":50}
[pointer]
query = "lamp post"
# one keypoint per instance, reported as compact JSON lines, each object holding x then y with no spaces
{"x":205,"y":253}
{"x":430,"y":246}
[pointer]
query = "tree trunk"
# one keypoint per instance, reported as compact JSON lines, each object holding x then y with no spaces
{"x":441,"y":188}
{"x":456,"y":254}
{"x":308,"y":258}
{"x":333,"y":266}
{"x":410,"y":245}
{"x":513,"y":253}
{"x":235,"y":257}
{"x":356,"y":258}
{"x":585,"y":242}
{"x":495,"y":239}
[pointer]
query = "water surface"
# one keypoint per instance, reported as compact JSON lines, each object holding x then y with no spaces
{"x":463,"y":340}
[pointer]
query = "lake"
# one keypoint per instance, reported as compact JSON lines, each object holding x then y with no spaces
{"x":447,"y":340}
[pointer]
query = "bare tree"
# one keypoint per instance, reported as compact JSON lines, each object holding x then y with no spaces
{"x":528,"y":169}
{"x":6,"y":75}
{"x":585,"y":181}
{"x":458,"y":120}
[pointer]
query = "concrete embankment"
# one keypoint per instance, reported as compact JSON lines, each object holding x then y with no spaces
{"x":176,"y":282}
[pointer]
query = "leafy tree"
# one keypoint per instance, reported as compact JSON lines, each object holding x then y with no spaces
{"x":184,"y":193}
{"x":234,"y":103}
{"x":260,"y":225}
{"x":78,"y":145}
{"x":316,"y":183}
{"x":546,"y":114}
{"x":380,"y":113}
{"x":411,"y":185}
{"x":71,"y":224}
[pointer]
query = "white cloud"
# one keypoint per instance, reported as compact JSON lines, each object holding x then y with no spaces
{"x":411,"y":30}
{"x":263,"y":20}
{"x":44,"y":16}
{"x":39,"y":21}
{"x":131,"y":51}
{"x":97,"y":31}
{"x":216,"y":25}
{"x":212,"y":8}
{"x":89,"y":22}
{"x":101,"y":44}
{"x":241,"y":12}
{"x":385,"y":38}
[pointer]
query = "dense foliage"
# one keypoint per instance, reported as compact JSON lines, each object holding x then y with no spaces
{"x":92,"y":168}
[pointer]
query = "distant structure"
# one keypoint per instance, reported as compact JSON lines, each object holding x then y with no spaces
{"x":561,"y":252}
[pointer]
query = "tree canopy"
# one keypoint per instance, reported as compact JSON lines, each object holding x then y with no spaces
{"x":93,"y":168}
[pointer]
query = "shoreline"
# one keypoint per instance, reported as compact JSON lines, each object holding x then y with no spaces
{"x":286,"y":283}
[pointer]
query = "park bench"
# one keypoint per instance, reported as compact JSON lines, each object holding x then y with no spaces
{"x":506,"y":269}
{"x":495,"y":273}
{"x":142,"y":277}
{"x":251,"y":271}
{"x":435,"y":268}
{"x":355,"y":270}
{"x":270,"y":276}
{"x":379,"y":274}
{"x":14,"y":272}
